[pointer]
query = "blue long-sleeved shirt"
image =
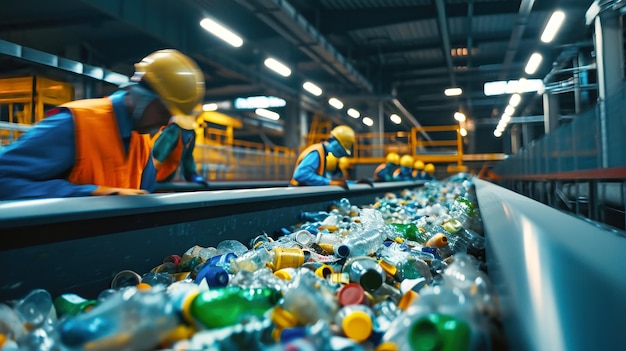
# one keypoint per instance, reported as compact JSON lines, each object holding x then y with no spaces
{"x":37,"y":165}
{"x":306,"y":172}
{"x":406,"y":173}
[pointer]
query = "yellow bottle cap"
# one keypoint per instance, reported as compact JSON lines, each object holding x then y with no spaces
{"x":388,"y":267}
{"x":387,"y":346}
{"x":181,"y":332}
{"x":143,"y":286}
{"x":357,"y":326}
{"x":282,"y":274}
{"x":276,"y":334}
{"x":324,"y":271}
{"x":407,"y":299}
{"x":399,"y":240}
{"x":3,"y":339}
{"x":283,"y":318}
{"x":186,"y":308}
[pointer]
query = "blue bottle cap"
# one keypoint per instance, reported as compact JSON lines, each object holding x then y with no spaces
{"x":220,"y":260}
{"x":342,"y":250}
{"x":215,"y":276}
{"x":431,"y":250}
{"x":290,"y":334}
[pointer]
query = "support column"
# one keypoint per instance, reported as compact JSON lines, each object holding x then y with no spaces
{"x":515,"y":139}
{"x":608,"y":40}
{"x":380,"y":140}
{"x":527,"y":134}
{"x":292,"y":128}
{"x":550,"y":111}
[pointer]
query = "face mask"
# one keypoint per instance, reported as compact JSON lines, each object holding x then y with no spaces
{"x":336,"y":148}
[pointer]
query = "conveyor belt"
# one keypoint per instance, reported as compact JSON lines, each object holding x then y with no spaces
{"x":218,"y":185}
{"x":79,"y":244}
{"x":560,"y":279}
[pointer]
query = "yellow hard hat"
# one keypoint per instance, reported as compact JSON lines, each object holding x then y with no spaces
{"x":419,"y":165}
{"x":331,"y":162}
{"x":393,"y":158}
{"x":429,"y":168}
{"x":177,"y":80}
{"x":406,"y":161}
{"x":345,"y":137}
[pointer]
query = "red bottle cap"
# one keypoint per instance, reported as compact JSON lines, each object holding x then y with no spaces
{"x":351,"y":294}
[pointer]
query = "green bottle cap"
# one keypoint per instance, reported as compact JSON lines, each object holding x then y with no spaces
{"x":436,"y":332}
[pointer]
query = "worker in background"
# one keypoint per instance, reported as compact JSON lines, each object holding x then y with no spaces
{"x":405,"y":172}
{"x":384,"y":171}
{"x":172,"y":148}
{"x":102,"y":146}
{"x":429,"y":172}
{"x":337,"y":168}
{"x":418,"y":170}
{"x":310,"y":166}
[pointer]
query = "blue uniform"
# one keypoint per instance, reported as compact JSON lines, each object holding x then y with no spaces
{"x":306,"y":172}
{"x":405,"y":173}
{"x":37,"y":165}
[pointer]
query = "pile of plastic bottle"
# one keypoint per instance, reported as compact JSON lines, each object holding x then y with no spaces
{"x":404,"y":273}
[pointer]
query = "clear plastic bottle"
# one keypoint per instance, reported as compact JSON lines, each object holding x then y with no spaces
{"x":132,"y":320}
{"x":234,"y":246}
{"x":251,"y":260}
{"x":365,"y":242}
{"x":365,"y":271}
{"x":310,"y":298}
{"x":318,"y":216}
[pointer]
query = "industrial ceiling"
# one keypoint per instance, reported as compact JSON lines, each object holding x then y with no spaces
{"x":389,"y":56}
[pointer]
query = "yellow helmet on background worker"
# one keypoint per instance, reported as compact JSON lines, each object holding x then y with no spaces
{"x":177,"y":80}
{"x":345,"y":136}
{"x":429,"y":168}
{"x":331,"y":162}
{"x":393,"y":158}
{"x":406,"y":161}
{"x":419,"y":165}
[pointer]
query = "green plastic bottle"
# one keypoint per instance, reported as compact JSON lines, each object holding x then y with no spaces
{"x":411,"y":232}
{"x":230,"y":305}
{"x":72,"y":304}
{"x":437,"y":332}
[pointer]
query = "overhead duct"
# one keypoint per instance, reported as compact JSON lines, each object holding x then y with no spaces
{"x":286,"y":21}
{"x":46,"y":59}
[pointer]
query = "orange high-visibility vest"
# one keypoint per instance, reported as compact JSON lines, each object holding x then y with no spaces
{"x":319,"y":148}
{"x":100,"y":156}
{"x":378,"y":169}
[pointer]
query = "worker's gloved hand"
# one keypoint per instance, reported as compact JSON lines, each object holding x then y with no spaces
{"x":105,"y":191}
{"x":365,"y":181}
{"x":339,"y":182}
{"x":199,"y":179}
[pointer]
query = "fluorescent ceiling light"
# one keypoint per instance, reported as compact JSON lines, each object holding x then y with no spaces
{"x":253,"y":102}
{"x":506,"y":118}
{"x":513,"y":86}
{"x":353,"y":113}
{"x":395,"y":119}
{"x":209,"y":107}
{"x":336,"y":103}
{"x":453,"y":92}
{"x":221,"y":32}
{"x":459,"y":116}
{"x":312,"y":88}
{"x":463,"y":132}
{"x":267,"y":114}
{"x":533,"y":63}
{"x":368,"y":121}
{"x":553,"y":26}
{"x":497,"y":133}
{"x":515,"y":100}
{"x":277,"y":67}
{"x":509,"y":110}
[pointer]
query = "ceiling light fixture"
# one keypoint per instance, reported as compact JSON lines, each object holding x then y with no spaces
{"x":354,"y":113}
{"x":336,"y":103}
{"x":209,"y":107}
{"x":267,"y":114}
{"x":463,"y":131}
{"x":515,"y":100}
{"x":368,"y":121}
{"x":497,"y":133}
{"x":312,"y":88}
{"x":459,"y":116}
{"x":221,"y":32}
{"x":395,"y":118}
{"x":509,"y":110}
{"x":533,"y":63}
{"x":277,"y":67}
{"x":553,"y":26}
{"x":453,"y":92}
